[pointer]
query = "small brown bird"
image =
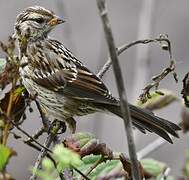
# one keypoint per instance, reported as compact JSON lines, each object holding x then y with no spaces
{"x":64,"y":85}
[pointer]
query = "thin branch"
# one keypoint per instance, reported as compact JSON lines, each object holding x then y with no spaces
{"x":124,"y":47}
{"x":120,"y":85}
{"x":156,"y":81}
{"x":21,"y":130}
{"x":36,"y":135}
{"x":8,"y":113}
{"x":43,"y":153}
{"x":32,"y":145}
{"x":24,"y":132}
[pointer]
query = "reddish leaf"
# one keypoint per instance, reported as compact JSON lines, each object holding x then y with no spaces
{"x":85,"y":144}
{"x":18,"y":103}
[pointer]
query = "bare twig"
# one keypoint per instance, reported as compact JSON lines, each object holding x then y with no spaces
{"x":165,"y":44}
{"x":32,"y":145}
{"x":8,"y":113}
{"x":124,"y":47}
{"x":156,"y":80}
{"x":43,"y":153}
{"x":24,"y":132}
{"x":36,"y":135}
{"x":120,"y":85}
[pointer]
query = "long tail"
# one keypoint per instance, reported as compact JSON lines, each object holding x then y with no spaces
{"x":146,"y":120}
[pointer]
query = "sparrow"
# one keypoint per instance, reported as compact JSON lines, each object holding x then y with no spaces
{"x":64,"y":86}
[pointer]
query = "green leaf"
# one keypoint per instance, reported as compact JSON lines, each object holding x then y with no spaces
{"x":47,"y":164}
{"x":153,"y":167}
{"x":5,"y":154}
{"x":107,"y":170}
{"x":65,"y":157}
{"x":2,"y":64}
{"x":158,"y":100}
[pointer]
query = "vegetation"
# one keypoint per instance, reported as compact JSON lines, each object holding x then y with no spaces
{"x":81,"y":155}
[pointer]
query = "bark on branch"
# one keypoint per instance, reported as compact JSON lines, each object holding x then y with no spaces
{"x":120,"y":85}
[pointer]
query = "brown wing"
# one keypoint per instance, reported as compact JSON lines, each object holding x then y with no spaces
{"x":68,"y":76}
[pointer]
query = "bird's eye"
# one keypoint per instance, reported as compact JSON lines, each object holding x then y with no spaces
{"x":40,"y":20}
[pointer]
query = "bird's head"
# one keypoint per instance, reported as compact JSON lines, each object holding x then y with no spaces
{"x":35,"y":22}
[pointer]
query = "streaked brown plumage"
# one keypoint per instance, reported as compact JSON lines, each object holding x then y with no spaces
{"x":65,"y":87}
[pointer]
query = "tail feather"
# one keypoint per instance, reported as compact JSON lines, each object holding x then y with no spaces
{"x":161,"y":132}
{"x":146,"y":120}
{"x":152,"y":120}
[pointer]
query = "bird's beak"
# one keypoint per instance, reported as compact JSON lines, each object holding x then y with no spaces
{"x":55,"y":21}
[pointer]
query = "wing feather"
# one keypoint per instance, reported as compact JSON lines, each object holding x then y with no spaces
{"x":69,"y":76}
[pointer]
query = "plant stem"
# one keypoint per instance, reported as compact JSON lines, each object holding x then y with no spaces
{"x":43,"y":153}
{"x":120,"y":85}
{"x":30,"y":137}
{"x":124,"y":47}
{"x":8,"y":113}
